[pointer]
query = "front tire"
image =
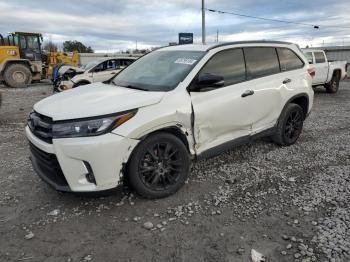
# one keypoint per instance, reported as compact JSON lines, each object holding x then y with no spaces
{"x":159,"y":166}
{"x":289,"y":126}
{"x":17,"y":76}
{"x":333,"y":86}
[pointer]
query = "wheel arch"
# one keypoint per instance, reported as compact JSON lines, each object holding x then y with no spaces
{"x":337,"y":72}
{"x":175,"y":130}
{"x":302,"y":100}
{"x":9,"y":62}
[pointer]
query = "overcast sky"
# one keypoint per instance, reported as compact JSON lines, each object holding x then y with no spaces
{"x":112,"y":25}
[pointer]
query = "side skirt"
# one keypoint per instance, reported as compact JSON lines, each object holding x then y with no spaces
{"x":217,"y":150}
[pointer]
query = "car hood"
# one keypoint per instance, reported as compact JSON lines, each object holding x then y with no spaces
{"x":95,"y":100}
{"x":68,"y":68}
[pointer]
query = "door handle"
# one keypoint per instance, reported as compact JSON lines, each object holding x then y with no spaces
{"x":113,"y":73}
{"x":247,"y":93}
{"x":286,"y":81}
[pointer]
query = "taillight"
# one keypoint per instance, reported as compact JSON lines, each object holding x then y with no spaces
{"x":311,"y":72}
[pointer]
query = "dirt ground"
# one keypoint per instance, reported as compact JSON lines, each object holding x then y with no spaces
{"x":288,"y":203}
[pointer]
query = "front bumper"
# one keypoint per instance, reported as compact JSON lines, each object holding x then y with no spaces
{"x":65,"y":163}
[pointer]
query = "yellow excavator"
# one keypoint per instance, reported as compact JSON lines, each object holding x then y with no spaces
{"x":23,"y":61}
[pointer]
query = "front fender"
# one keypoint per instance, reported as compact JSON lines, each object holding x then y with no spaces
{"x":174,"y":111}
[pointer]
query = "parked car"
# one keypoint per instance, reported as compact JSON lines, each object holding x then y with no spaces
{"x":327,"y":74}
{"x":95,"y":71}
{"x":168,"y":107}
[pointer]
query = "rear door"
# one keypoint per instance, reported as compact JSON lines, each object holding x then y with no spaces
{"x":321,"y":68}
{"x":265,"y":80}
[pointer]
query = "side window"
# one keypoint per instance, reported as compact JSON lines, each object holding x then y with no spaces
{"x":228,"y":64}
{"x":261,"y":61}
{"x":289,"y":60}
{"x":309,"y":57}
{"x":100,"y":67}
{"x":23,"y":42}
{"x":112,"y":64}
{"x":127,"y":62}
{"x":319,"y":57}
{"x":14,"y":40}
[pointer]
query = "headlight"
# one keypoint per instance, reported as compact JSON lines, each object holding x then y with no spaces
{"x":90,"y":127}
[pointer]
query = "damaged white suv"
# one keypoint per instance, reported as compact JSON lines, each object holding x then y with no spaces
{"x":170,"y":106}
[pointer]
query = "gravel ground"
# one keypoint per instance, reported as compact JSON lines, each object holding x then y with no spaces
{"x":287,"y":203}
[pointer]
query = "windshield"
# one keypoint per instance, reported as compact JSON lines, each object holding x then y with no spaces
{"x":90,"y":65}
{"x":33,"y":43}
{"x":159,"y":70}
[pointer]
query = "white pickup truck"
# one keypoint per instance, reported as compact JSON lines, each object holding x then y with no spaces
{"x":327,"y":73}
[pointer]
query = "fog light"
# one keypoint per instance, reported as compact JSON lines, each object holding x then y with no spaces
{"x":90,"y":175}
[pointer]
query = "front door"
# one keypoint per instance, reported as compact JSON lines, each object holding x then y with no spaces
{"x":106,"y":70}
{"x":219,"y":113}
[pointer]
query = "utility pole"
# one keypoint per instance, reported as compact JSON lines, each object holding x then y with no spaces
{"x":136,"y":45}
{"x":203,"y":22}
{"x":217,"y":35}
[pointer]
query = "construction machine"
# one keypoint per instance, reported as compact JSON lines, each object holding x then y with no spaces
{"x":57,"y":59}
{"x":20,"y":58}
{"x":23,"y":61}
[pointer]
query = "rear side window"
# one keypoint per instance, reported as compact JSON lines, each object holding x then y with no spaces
{"x":289,"y":60}
{"x":227,"y":63}
{"x":261,"y":61}
{"x":126,"y":62}
{"x":319,"y":57}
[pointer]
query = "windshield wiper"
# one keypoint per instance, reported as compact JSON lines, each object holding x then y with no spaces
{"x":135,"y":87}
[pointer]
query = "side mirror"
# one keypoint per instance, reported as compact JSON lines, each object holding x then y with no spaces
{"x":310,"y":61}
{"x":209,"y":80}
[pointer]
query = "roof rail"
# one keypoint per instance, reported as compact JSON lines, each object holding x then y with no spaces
{"x":250,"y":42}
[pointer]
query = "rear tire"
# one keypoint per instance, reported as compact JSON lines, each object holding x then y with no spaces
{"x":159,"y":166}
{"x":333,"y":86}
{"x":17,"y":76}
{"x":289,"y":126}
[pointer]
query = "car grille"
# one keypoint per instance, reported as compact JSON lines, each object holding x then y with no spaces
{"x":41,"y":126}
{"x":48,"y":168}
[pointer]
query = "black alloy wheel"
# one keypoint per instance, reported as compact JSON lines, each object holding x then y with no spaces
{"x":289,"y":126}
{"x":293,"y":125}
{"x":158,"y":166}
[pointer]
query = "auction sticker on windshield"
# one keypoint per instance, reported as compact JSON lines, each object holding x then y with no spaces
{"x":185,"y":61}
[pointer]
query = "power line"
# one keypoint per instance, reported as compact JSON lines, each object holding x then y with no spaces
{"x":270,"y":19}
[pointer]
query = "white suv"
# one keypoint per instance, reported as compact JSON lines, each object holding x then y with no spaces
{"x":168,"y":107}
